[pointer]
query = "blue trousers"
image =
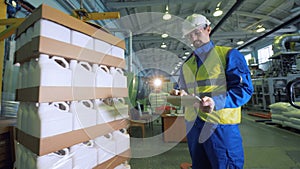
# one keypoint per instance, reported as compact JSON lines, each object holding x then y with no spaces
{"x":214,"y":146}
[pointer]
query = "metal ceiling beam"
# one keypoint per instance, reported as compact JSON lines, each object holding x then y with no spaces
{"x":288,"y":22}
{"x":118,"y":5}
{"x":178,"y":51}
{"x":64,"y":5}
{"x":217,"y":36}
{"x":262,"y":5}
{"x":265,"y":17}
{"x":224,"y":18}
{"x":253,"y":15}
{"x":283,"y":8}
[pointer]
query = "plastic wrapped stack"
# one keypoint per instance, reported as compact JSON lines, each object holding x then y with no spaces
{"x":285,"y":114}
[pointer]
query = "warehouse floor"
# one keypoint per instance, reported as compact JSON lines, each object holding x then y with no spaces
{"x":266,"y":146}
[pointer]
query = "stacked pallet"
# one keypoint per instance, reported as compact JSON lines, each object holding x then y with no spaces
{"x":71,"y":87}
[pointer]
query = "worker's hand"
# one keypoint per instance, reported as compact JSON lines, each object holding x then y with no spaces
{"x":206,"y":105}
{"x":176,"y":92}
{"x":183,"y":93}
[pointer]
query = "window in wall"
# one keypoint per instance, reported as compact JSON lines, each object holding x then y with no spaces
{"x":264,"y":54}
{"x":248,"y":58}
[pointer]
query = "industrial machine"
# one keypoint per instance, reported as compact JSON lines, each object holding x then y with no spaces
{"x":293,"y":92}
{"x":285,"y":67}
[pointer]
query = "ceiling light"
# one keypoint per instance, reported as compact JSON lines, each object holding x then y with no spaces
{"x":157,"y":82}
{"x":186,"y":53}
{"x":163,"y":45}
{"x":240,"y":42}
{"x":260,"y":28}
{"x":218,"y":12}
{"x":14,"y":3}
{"x":167,"y":16}
{"x":165,"y":35}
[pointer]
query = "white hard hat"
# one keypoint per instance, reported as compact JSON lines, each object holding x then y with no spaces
{"x":193,"y":21}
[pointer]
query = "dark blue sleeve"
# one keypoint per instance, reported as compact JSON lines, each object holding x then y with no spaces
{"x":239,"y":84}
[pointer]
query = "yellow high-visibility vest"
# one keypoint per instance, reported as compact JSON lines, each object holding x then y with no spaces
{"x":209,"y":80}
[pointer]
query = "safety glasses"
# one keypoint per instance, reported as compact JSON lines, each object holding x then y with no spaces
{"x":195,"y":33}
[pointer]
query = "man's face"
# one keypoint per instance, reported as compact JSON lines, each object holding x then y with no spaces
{"x":199,"y":36}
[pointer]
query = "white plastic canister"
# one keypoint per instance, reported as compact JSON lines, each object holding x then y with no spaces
{"x":19,"y":151}
{"x":54,"y":71}
{"x":27,"y":110}
{"x":33,"y":120}
{"x":122,"y":140}
{"x":53,"y":30}
{"x":33,"y":73}
{"x":103,"y":76}
{"x":23,"y":75}
{"x":124,"y":165}
{"x":84,"y":114}
{"x":57,"y":160}
{"x":53,"y":119}
{"x":119,"y":80}
{"x":82,"y":74}
{"x":21,"y":108}
{"x":31,"y":159}
{"x":118,"y":52}
{"x":85,"y":155}
{"x":121,"y":108}
{"x":24,"y":158}
{"x":105,"y":112}
{"x":106,"y":147}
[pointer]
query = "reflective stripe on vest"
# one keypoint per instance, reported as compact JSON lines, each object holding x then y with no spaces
{"x":209,"y":80}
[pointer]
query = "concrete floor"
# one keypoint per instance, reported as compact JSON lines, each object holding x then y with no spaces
{"x":266,"y":146}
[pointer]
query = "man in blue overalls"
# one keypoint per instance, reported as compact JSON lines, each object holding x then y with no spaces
{"x":219,"y":77}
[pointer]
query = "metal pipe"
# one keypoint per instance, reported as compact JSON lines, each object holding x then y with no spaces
{"x":231,"y":10}
{"x":279,"y":43}
{"x":26,"y":5}
{"x":290,"y":21}
{"x":130,"y":52}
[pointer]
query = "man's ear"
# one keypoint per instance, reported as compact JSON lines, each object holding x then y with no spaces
{"x":208,"y":29}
